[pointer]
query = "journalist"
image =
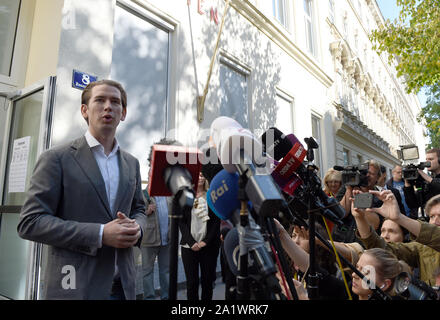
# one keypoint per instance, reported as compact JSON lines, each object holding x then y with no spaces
{"x":423,"y":252}
{"x":430,"y":184}
{"x":346,"y":233}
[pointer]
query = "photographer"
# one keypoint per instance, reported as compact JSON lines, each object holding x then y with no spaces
{"x":429,"y":185}
{"x":423,"y":252}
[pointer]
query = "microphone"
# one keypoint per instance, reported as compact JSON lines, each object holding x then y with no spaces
{"x":222,"y":195}
{"x":291,"y":173}
{"x":173,"y":171}
{"x":222,"y":199}
{"x":240,"y":151}
{"x":260,"y":262}
{"x":167,"y":156}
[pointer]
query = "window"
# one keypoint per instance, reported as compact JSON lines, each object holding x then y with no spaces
{"x":140,"y":61}
{"x":284,"y":119}
{"x":345,"y":26}
{"x":9,"y":10}
{"x":346,"y":156}
{"x":316,"y":133}
{"x":331,"y":10}
{"x":359,"y":159}
{"x":234,"y":91}
{"x":280,"y":12}
{"x":308,"y":19}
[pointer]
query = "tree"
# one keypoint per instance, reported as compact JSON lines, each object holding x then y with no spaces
{"x":413,"y":40}
{"x":430,"y":114}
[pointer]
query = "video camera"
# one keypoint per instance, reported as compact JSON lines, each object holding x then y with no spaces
{"x":355,"y":176}
{"x":414,"y":289}
{"x":410,"y":171}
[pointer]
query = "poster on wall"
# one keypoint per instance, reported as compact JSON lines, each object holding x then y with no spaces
{"x":19,"y":164}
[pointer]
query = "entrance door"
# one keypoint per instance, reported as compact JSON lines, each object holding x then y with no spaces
{"x":26,"y":136}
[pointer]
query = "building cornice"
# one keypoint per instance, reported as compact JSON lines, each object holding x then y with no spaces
{"x":349,"y":125}
{"x":282,"y":39}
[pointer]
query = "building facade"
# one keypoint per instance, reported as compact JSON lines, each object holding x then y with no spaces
{"x":304,"y":66}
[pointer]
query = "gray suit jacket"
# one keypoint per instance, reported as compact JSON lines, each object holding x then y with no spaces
{"x":65,"y":207}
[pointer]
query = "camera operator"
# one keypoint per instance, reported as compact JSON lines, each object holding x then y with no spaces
{"x":430,"y":183}
{"x":346,"y":233}
{"x":369,"y":181}
{"x":421,"y":253}
{"x":397,"y":183}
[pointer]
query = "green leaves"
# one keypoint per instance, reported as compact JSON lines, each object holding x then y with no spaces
{"x":414,"y":40}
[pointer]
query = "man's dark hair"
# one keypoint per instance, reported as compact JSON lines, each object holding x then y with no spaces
{"x":87,"y":92}
{"x":434,"y":150}
{"x":166,"y":142}
{"x":383,"y":169}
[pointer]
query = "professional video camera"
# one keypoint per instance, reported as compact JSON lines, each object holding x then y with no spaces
{"x":410,"y":171}
{"x":355,"y":176}
{"x":414,"y":289}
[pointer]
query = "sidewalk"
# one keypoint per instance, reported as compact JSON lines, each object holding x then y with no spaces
{"x":219,"y":289}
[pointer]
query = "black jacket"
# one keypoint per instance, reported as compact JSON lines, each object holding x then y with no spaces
{"x":212,"y":237}
{"x":428,"y":191}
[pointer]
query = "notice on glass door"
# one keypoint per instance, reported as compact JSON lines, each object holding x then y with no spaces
{"x":19,"y":164}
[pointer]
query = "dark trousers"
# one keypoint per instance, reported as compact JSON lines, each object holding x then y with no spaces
{"x":117,"y":292}
{"x":206,"y":259}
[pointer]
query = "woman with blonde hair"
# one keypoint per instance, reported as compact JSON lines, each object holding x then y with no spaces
{"x":332,"y":182}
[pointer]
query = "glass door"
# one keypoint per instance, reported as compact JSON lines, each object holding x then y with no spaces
{"x":26,"y":136}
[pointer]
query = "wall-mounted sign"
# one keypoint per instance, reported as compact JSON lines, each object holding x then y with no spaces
{"x":80,"y":80}
{"x":19,"y":164}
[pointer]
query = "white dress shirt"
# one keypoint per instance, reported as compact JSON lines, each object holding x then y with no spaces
{"x":109,"y":167}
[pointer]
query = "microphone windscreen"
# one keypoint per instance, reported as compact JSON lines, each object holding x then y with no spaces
{"x":222,"y":195}
{"x":164,"y":156}
{"x":229,"y":138}
{"x":293,"y":139}
{"x":275,"y":143}
{"x":231,"y":246}
{"x":338,"y":168}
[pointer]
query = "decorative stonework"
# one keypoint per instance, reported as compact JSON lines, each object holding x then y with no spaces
{"x":347,"y":118}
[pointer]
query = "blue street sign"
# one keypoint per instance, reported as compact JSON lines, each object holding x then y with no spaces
{"x":80,"y":80}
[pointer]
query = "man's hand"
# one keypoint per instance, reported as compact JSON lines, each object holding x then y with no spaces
{"x":425,"y":176}
{"x":121,"y":232}
{"x":150,"y":209}
{"x":202,"y":244}
{"x":195,"y":247}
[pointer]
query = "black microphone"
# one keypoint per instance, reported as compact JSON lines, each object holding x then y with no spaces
{"x":260,"y":262}
{"x":293,"y":154}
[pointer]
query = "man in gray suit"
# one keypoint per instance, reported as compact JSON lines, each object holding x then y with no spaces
{"x":85,"y":202}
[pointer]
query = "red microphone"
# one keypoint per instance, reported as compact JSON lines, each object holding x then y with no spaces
{"x":165,"y":156}
{"x":291,"y":161}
